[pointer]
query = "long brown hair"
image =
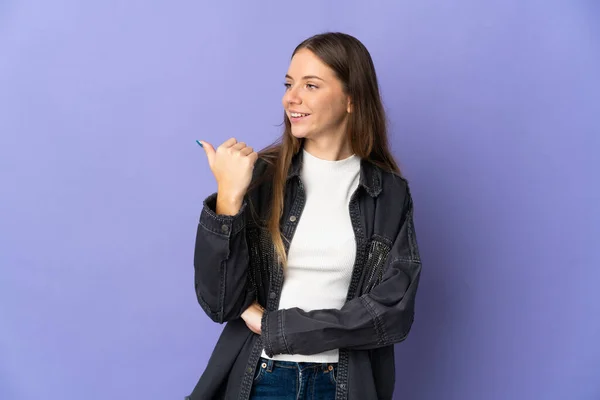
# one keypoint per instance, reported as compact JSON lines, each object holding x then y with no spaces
{"x":367,"y":124}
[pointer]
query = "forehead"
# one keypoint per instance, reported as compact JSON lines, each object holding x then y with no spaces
{"x":305,"y":62}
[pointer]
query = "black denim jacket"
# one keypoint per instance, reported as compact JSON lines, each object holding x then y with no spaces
{"x":235,"y":264}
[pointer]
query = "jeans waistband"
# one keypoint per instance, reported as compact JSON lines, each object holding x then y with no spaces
{"x":271,"y":364}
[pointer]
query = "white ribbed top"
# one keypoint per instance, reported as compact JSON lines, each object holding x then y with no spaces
{"x":323,"y":249}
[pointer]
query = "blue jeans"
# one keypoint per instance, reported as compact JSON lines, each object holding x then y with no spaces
{"x":285,"y":380}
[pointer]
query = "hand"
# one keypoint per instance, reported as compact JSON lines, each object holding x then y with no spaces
{"x":231,"y":164}
{"x":253,"y":316}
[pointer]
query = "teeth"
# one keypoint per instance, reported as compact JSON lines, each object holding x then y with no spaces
{"x":297,"y":115}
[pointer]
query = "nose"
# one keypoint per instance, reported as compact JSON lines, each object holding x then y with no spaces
{"x":292,"y":96}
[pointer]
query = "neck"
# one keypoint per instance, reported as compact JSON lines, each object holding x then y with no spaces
{"x":329,"y":148}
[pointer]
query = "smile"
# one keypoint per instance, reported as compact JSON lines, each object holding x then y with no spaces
{"x":298,"y":115}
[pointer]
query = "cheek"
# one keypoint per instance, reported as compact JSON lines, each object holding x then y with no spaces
{"x":327,"y":107}
{"x":336,"y":111}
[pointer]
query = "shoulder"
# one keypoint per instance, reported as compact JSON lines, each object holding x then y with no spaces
{"x":394,"y":183}
{"x":392,"y":206}
{"x":395,"y":190}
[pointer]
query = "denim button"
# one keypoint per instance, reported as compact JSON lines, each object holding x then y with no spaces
{"x":293,"y":218}
{"x":272,"y":295}
{"x":224,"y":228}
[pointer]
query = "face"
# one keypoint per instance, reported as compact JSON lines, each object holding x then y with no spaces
{"x":314,"y":99}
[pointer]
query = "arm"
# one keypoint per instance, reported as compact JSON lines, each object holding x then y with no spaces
{"x":221,"y":261}
{"x":380,"y":318}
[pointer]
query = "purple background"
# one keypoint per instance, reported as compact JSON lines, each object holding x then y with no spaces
{"x":494,"y":111}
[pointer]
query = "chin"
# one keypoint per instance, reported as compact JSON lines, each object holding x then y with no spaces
{"x":300,"y":133}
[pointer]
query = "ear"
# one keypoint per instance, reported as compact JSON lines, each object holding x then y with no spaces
{"x":349,"y":106}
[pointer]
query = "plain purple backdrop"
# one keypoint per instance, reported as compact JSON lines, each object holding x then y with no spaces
{"x":494,"y":112}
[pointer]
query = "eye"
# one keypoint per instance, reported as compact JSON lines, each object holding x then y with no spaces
{"x":310,"y":86}
{"x":287,"y":85}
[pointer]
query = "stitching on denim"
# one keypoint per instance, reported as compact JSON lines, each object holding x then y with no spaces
{"x":246,"y":385}
{"x":281,"y":327}
{"x":372,"y":172}
{"x":412,"y":242}
{"x":255,"y":275}
{"x":221,"y":305}
{"x":216,"y":217}
{"x":267,"y":334}
{"x":215,"y":231}
{"x":237,"y":222}
{"x":341,"y":388}
{"x":205,"y":306}
{"x":360,"y":246}
{"x":221,"y":218}
{"x":406,"y":259}
{"x":382,"y":337}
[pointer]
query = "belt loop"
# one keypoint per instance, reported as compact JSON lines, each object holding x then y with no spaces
{"x":270,"y":365}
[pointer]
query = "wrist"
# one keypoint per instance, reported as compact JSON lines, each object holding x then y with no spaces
{"x":228,"y":204}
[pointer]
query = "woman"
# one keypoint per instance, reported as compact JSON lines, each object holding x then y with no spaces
{"x":308,"y":249}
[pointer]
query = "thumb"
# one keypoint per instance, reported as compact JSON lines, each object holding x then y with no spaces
{"x":209,"y":150}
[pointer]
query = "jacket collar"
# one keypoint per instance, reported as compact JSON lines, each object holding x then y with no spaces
{"x":370,"y":174}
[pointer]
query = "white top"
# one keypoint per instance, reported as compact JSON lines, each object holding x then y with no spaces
{"x":323,"y":249}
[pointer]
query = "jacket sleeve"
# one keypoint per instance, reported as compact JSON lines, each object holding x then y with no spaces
{"x":379,"y":318}
{"x":221,"y":261}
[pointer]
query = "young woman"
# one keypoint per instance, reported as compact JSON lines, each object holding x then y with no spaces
{"x":307,"y":249}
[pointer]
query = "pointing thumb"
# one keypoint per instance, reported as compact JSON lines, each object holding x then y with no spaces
{"x":209,"y":150}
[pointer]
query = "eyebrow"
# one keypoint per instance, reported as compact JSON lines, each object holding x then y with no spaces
{"x":306,"y":77}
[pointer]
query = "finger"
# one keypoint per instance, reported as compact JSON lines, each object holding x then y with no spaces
{"x":209,"y":150}
{"x":246,"y":151}
{"x":253,"y":157}
{"x":238,"y":146}
{"x":228,"y":143}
